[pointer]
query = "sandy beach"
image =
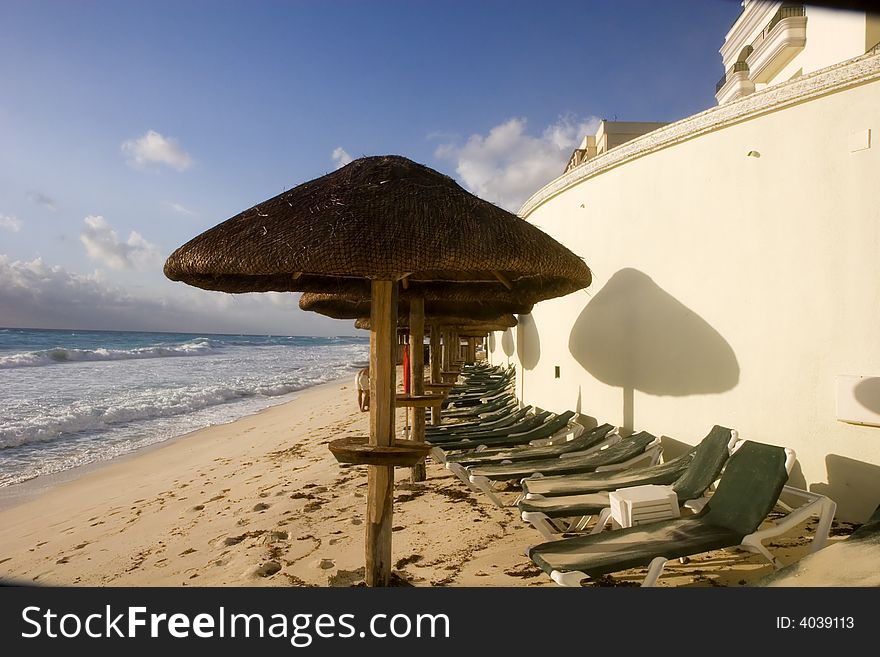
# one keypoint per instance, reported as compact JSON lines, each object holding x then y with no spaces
{"x":262,"y":502}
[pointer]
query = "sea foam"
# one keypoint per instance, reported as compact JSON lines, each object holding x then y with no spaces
{"x":61,"y":355}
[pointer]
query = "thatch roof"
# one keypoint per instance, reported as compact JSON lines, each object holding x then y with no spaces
{"x":381,"y":218}
{"x":458,"y":324}
{"x":338,"y":307}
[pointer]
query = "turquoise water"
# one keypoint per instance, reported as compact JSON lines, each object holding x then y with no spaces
{"x":68,"y":398}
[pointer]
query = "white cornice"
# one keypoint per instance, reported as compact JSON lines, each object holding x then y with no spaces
{"x":754,"y":17}
{"x":851,"y":73}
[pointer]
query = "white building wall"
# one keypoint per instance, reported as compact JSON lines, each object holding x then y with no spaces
{"x":728,"y":289}
{"x":832,"y":36}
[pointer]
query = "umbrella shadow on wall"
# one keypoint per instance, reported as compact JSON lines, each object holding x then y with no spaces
{"x":528,"y":348}
{"x":854,"y":485}
{"x":528,"y":344}
{"x":636,"y":336}
{"x":507,"y":344}
{"x":867,"y":393}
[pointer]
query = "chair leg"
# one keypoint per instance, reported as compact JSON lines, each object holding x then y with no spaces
{"x":580,"y":525}
{"x":438,"y":455}
{"x":654,"y":570}
{"x":485,"y":485}
{"x":823,"y":527}
{"x":570,"y":578}
{"x":458,"y":470}
{"x":540,"y":522}
{"x":602,"y":520}
{"x":461,"y":472}
{"x":755,"y":545}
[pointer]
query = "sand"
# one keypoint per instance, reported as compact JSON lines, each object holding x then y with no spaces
{"x":262,"y":502}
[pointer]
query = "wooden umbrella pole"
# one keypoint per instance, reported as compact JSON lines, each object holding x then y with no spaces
{"x":435,"y":369}
{"x":435,"y":354}
{"x":380,"y":478}
{"x":417,"y":375}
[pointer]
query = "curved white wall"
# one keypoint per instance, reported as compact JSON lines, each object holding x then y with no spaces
{"x":728,"y":288}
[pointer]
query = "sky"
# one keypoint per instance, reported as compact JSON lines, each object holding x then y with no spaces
{"x":127,"y":128}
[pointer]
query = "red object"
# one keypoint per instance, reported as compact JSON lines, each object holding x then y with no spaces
{"x":406,"y":381}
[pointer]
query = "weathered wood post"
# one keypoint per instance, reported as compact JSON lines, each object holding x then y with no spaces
{"x":417,"y":375}
{"x":435,"y":368}
{"x":380,"y":478}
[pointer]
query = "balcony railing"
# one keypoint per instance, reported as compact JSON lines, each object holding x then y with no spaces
{"x":737,"y":66}
{"x":786,"y":11}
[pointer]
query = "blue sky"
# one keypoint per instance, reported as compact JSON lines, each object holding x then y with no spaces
{"x":126,"y":128}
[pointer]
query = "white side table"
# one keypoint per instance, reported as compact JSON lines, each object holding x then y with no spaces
{"x":638,"y":505}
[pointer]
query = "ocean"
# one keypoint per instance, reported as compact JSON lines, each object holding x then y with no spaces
{"x":68,"y":398}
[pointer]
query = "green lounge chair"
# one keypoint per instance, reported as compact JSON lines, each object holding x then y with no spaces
{"x":749,"y":489}
{"x":587,"y":443}
{"x":502,"y":401}
{"x":691,"y":485}
{"x":596,"y":482}
{"x":441,"y":449}
{"x":471,"y":439}
{"x":604,"y":434}
{"x":491,"y":421}
{"x":623,"y":454}
{"x":554,"y":426}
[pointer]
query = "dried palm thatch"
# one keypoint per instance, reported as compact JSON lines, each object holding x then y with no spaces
{"x":339,"y":307}
{"x":381,"y":218}
{"x":458,"y":324}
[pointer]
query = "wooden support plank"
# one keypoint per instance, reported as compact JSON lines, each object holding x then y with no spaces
{"x":504,"y":280}
{"x":417,"y":375}
{"x":380,"y":478}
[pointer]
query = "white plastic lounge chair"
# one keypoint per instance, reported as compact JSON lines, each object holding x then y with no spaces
{"x":749,"y":489}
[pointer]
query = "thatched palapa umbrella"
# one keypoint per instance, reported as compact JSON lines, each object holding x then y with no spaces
{"x":361,"y":229}
{"x":412,"y":315}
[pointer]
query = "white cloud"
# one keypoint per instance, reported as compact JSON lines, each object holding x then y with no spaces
{"x":155,"y":148}
{"x":41,"y":199}
{"x":34,"y":294}
{"x":340,"y":157}
{"x":181,"y":209}
{"x":103,"y":244}
{"x":508,"y":165}
{"x":10,"y":223}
